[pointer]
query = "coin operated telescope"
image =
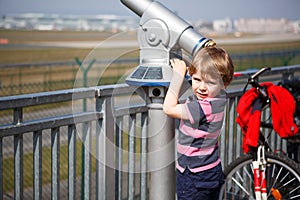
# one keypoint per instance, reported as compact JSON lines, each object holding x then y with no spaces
{"x":161,"y":35}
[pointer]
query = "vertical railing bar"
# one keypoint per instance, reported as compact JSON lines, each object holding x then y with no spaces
{"x":229,"y":138}
{"x":18,"y":150}
{"x":18,"y":116}
{"x":223,"y":136}
{"x":87,"y":155}
{"x":55,"y":154}
{"x":100,"y":167}
{"x":278,"y":143}
{"x":234,"y":129}
{"x":37,"y":165}
{"x":239,"y":136}
{"x":284,"y":145}
{"x":231,"y":143}
{"x":1,"y":168}
{"x":71,"y":162}
{"x":272,"y":140}
{"x":119,"y":158}
{"x":109,"y":139}
{"x":105,"y":134}
{"x":143,"y":147}
{"x":275,"y":142}
{"x":100,"y":152}
{"x":131,"y":156}
{"x":18,"y":159}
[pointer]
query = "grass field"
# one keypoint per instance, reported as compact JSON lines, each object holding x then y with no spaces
{"x":18,"y":52}
{"x":62,"y":77}
{"x":43,"y":54}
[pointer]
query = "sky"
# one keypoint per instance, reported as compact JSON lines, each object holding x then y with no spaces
{"x":187,"y":9}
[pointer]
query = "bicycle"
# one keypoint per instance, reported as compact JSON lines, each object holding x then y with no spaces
{"x":262,"y":174}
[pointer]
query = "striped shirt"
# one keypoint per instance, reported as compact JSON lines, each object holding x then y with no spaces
{"x":197,"y":146}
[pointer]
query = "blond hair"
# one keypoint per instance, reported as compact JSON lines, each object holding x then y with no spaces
{"x":214,"y":61}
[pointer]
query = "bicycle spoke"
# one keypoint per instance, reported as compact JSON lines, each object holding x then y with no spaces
{"x":291,"y":192}
{"x":240,"y":177}
{"x":295,"y":197}
{"x":287,"y":183}
{"x":284,"y":176}
{"x":276,"y":179}
{"x":244,"y":189}
{"x":249,"y":175}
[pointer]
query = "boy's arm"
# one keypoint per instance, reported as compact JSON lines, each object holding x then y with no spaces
{"x":171,"y":106}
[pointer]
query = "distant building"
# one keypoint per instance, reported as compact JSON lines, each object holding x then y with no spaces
{"x":68,"y":22}
{"x":223,"y":25}
{"x":115,"y":23}
{"x":263,"y":25}
{"x":296,"y":26}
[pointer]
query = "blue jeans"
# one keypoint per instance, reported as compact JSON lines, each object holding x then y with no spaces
{"x":199,"y":186}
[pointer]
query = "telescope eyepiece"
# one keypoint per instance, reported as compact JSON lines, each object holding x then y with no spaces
{"x":210,"y":43}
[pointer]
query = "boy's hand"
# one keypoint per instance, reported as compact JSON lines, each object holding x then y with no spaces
{"x":179,"y":66}
{"x":171,"y":106}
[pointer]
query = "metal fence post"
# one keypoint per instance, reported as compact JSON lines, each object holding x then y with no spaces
{"x":161,"y":150}
{"x":18,"y":156}
{"x":105,"y":176}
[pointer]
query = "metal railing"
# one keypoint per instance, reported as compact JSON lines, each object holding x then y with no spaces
{"x":113,"y":134}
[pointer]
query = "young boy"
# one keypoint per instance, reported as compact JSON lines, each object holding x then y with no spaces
{"x":199,"y":170}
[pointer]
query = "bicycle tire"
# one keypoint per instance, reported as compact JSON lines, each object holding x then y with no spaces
{"x":282,"y":174}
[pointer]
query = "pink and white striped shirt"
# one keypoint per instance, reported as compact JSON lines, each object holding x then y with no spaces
{"x":197,"y":146}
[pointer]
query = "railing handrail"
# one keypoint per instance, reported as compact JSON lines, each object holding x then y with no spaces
{"x":276,"y":70}
{"x":33,"y":99}
{"x":10,"y":102}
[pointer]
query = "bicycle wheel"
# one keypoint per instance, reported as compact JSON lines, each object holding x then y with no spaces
{"x":282,"y":175}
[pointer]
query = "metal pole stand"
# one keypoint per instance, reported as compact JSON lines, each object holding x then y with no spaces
{"x":161,"y":148}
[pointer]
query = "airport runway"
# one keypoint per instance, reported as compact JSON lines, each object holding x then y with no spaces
{"x":111,"y":43}
{"x":114,"y":42}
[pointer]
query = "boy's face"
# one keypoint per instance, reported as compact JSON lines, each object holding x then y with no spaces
{"x":205,"y":86}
